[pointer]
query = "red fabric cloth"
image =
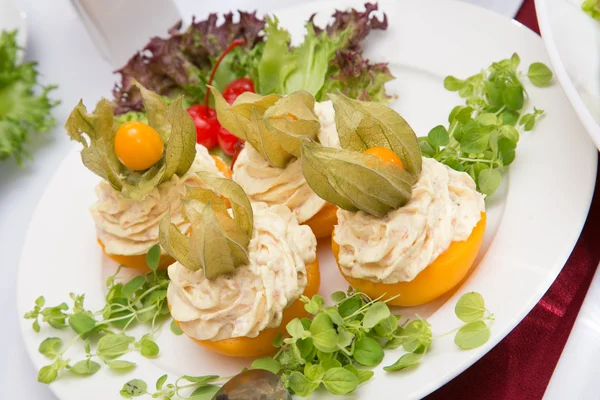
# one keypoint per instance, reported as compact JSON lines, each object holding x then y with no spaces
{"x":521,"y":365}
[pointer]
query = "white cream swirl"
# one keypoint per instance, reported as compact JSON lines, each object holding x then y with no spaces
{"x":130,"y":227}
{"x":254,"y":296}
{"x":287,"y":186}
{"x":444,"y":208}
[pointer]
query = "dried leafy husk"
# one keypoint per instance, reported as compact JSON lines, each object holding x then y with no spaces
{"x":355,"y":181}
{"x":172,"y":123}
{"x":217,"y":243}
{"x":273,"y":125}
{"x":363,"y":125}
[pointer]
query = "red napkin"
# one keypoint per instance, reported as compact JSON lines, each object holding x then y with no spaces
{"x":521,"y":365}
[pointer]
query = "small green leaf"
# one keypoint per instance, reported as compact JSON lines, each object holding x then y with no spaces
{"x":40,"y":302}
{"x":472,"y":335}
{"x":153,"y":257}
{"x":314,"y":305}
{"x":539,"y":74}
{"x":204,"y":392}
{"x":278,"y":340}
{"x":340,"y":381}
{"x":149,"y":348}
{"x":470,"y":307}
{"x":82,"y":322}
{"x":36,"y":326}
{"x":134,"y":388}
{"x":267,"y":363}
{"x":406,"y":361}
{"x":368,"y":352}
{"x":295,"y":328}
{"x":345,"y":338}
{"x":338,"y":296}
{"x":387,"y":326}
{"x":453,"y":84}
{"x":364,"y":375}
{"x":201,"y":380}
{"x":50,"y":347}
{"x":175,"y":328}
{"x":350,"y":306}
{"x":438,"y":136}
{"x":161,"y":381}
{"x":113,"y":346}
{"x":487,"y":119}
{"x":85,"y":368}
{"x":300,"y":384}
{"x":314,"y":372}
{"x":323,"y":334}
{"x":121,"y":365}
{"x":376,"y":313}
{"x":513,"y":97}
{"x":130,"y":287}
{"x":47,"y":374}
{"x":488,"y":181}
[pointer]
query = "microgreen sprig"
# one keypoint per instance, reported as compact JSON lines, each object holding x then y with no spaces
{"x":140,"y":300}
{"x":482,"y":135}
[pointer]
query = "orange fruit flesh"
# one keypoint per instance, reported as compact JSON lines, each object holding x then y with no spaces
{"x":322,"y":223}
{"x":443,"y":274}
{"x":138,"y":145}
{"x":222,"y":166}
{"x":137,"y":262}
{"x":385,"y":155}
{"x":262,"y":345}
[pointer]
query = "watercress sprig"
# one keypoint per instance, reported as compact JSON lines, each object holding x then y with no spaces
{"x":140,"y":300}
{"x":482,"y":134}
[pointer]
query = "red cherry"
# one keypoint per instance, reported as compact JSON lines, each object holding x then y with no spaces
{"x":207,"y":125}
{"x":237,"y":87}
{"x":227,"y":141}
{"x":238,"y":147}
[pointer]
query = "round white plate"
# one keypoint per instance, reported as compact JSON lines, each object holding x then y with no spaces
{"x":572,"y":39}
{"x":534,"y":219}
{"x":13,"y":18}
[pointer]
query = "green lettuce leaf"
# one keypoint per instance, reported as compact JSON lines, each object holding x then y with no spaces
{"x":24,"y":104}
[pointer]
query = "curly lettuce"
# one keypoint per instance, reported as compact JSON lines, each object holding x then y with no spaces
{"x":24,"y":104}
{"x":96,"y":132}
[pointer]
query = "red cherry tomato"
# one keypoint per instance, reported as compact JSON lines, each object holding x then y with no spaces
{"x":207,"y":125}
{"x":227,"y":141}
{"x":237,"y":87}
{"x":238,"y":147}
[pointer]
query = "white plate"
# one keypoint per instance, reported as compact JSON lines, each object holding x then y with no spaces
{"x":534,"y":220}
{"x":572,"y":39}
{"x":12,"y":18}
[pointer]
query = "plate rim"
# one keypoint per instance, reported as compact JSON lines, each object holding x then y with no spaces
{"x":582,"y":111}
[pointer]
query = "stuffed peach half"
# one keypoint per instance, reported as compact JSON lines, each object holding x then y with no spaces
{"x":269,"y":168}
{"x":239,"y":277}
{"x":146,"y":168}
{"x":409,"y":228}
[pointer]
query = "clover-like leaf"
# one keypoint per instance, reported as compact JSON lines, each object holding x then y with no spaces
{"x":362,"y":125}
{"x":355,"y":181}
{"x":96,"y":132}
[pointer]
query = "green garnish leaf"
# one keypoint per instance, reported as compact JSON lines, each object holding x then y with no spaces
{"x":368,"y":352}
{"x":273,"y":125}
{"x":149,"y":348}
{"x":96,"y":132}
{"x":363,"y":125}
{"x":113,"y":346}
{"x":175,"y":328}
{"x":85,"y":368}
{"x":82,"y":322}
{"x":267,"y":363}
{"x":489,"y":180}
{"x":121,"y":365}
{"x":50,"y":347}
{"x":470,"y":307}
{"x":160,"y":382}
{"x":134,"y":388}
{"x":378,"y":312}
{"x":153,"y":257}
{"x":539,"y":74}
{"x":201,"y":379}
{"x":592,"y":7}
{"x":438,"y":136}
{"x":340,"y":381}
{"x":355,"y":181}
{"x":406,"y":361}
{"x":47,"y":374}
{"x":472,"y":335}
{"x":206,"y":392}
